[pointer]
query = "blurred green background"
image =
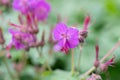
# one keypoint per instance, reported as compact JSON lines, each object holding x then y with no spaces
{"x":104,"y":26}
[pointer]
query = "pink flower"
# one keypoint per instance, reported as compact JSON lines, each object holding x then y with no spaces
{"x":21,"y":40}
{"x":38,"y":8}
{"x":66,"y":38}
{"x":95,"y":77}
{"x":21,"y":5}
{"x":42,"y":10}
{"x":104,"y":66}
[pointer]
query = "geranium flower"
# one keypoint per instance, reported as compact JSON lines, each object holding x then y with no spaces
{"x":42,"y":10}
{"x":38,"y":8}
{"x":95,"y":77}
{"x":66,"y":37}
{"x":21,"y":40}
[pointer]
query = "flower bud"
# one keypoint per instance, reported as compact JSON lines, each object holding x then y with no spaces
{"x":96,"y":64}
{"x":83,"y":33}
{"x":95,"y":77}
{"x":8,"y":55}
{"x":103,"y":67}
{"x":81,"y":39}
{"x":86,"y":22}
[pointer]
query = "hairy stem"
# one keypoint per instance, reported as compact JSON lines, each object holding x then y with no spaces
{"x":104,"y":58}
{"x":24,"y":58}
{"x":46,"y":62}
{"x":39,"y":52}
{"x":72,"y":62}
{"x":48,"y":66}
{"x":78,"y":66}
{"x":8,"y":69}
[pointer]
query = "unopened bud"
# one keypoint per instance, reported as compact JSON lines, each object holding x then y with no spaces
{"x":95,"y":77}
{"x":96,"y":64}
{"x":86,"y":22}
{"x":103,"y":67}
{"x":83,"y":33}
{"x":81,"y":39}
{"x":8,"y":55}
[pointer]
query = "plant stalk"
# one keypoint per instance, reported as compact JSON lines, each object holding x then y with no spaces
{"x":78,"y":66}
{"x":72,"y":62}
{"x":8,"y":69}
{"x":104,"y":58}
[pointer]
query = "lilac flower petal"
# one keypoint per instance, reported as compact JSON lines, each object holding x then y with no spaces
{"x":59,"y":29}
{"x":59,"y":45}
{"x":57,"y":48}
{"x":41,"y":9}
{"x":11,"y":31}
{"x":18,"y":45}
{"x":21,"y":39}
{"x":20,"y":5}
{"x":73,"y":37}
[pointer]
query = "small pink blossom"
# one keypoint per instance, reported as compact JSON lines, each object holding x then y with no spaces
{"x":66,"y":37}
{"x":95,"y":77}
{"x":21,"y":40}
{"x":104,"y":66}
{"x":37,"y":8}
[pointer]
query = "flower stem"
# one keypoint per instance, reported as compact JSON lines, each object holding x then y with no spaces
{"x":46,"y":62}
{"x":72,"y":62}
{"x":104,"y":58}
{"x":48,"y":66}
{"x":39,"y":52}
{"x":79,"y":57}
{"x":8,"y":69}
{"x":24,"y":58}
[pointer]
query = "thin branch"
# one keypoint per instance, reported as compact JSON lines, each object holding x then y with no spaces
{"x":78,"y":66}
{"x":104,"y":58}
{"x":8,"y":69}
{"x":72,"y":62}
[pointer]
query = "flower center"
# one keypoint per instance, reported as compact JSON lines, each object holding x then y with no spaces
{"x":64,"y":35}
